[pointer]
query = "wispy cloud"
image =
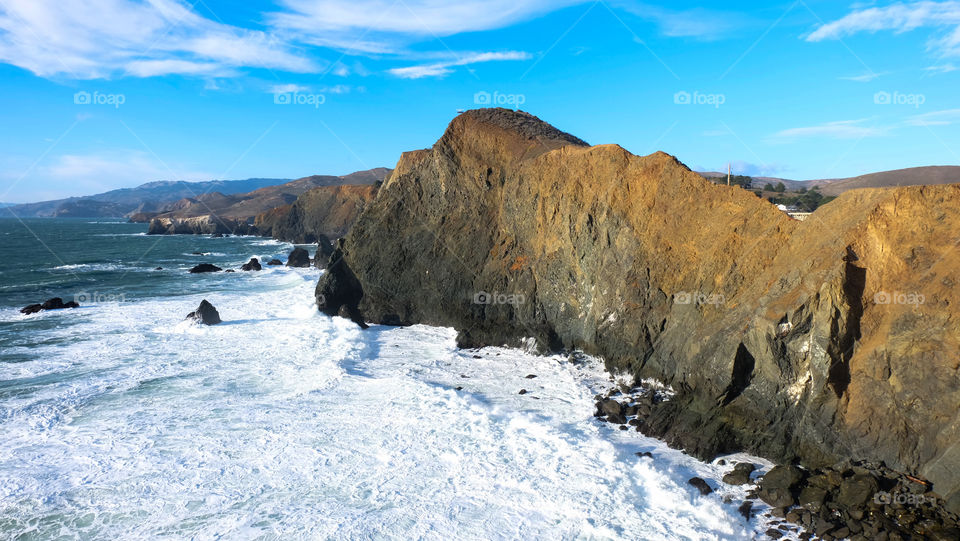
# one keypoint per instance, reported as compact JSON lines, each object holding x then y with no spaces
{"x":935,"y":118}
{"x":942,"y":68}
{"x":387,"y":26}
{"x":287,"y":88}
{"x":87,"y":39}
{"x":75,"y":174}
{"x":841,"y":129}
{"x":864,"y":78}
{"x":899,"y":18}
{"x":439,"y":69}
{"x":699,"y":23}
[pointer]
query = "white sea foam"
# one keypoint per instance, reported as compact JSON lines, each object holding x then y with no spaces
{"x":283,"y":423}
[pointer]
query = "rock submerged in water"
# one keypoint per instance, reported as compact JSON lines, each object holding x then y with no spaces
{"x":252,"y":265}
{"x":205,"y":314}
{"x":55,"y":303}
{"x":205,"y":267}
{"x":274,"y":262}
{"x":298,"y":258}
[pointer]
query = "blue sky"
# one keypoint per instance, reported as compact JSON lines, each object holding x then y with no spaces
{"x":99,"y":94}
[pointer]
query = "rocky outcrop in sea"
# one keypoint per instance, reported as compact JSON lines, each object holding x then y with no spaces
{"x":806,"y":342}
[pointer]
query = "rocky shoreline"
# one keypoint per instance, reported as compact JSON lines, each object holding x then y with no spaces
{"x":783,"y":339}
{"x":854,"y":500}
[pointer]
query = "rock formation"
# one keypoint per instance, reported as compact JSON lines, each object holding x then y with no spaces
{"x":324,"y":251}
{"x":297,"y":210}
{"x":205,"y":314}
{"x":252,"y":265}
{"x":199,"y":225}
{"x":298,"y":258}
{"x":811,"y":341}
{"x":328,"y":211}
{"x":205,"y":267}
{"x":55,"y":303}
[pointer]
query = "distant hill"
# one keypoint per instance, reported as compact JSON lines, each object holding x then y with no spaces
{"x":914,"y":176}
{"x":245,"y":206}
{"x":146,"y":197}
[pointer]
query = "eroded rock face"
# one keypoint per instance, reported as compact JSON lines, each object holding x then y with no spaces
{"x":812,"y":341}
{"x":199,"y":225}
{"x":324,"y":251}
{"x":320,"y":212}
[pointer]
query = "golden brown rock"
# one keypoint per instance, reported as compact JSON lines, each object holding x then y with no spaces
{"x":818,"y":340}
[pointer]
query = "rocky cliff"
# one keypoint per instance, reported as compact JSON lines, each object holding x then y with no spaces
{"x":800,"y":341}
{"x":328,"y":211}
{"x":237,"y":213}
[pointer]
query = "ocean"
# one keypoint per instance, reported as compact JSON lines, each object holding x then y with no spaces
{"x":120,"y":420}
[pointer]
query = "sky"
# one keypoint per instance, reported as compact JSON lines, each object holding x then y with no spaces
{"x":104,"y":94}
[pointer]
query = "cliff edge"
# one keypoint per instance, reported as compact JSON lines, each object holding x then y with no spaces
{"x":800,"y":341}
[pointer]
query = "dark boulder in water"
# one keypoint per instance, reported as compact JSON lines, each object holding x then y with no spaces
{"x":700,"y":485}
{"x":205,"y":267}
{"x":274,"y":262}
{"x":252,"y":265}
{"x":298,"y":258}
{"x":205,"y":313}
{"x":55,"y":303}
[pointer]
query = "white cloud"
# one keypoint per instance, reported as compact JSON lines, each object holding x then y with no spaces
{"x":84,"y":174}
{"x":287,"y":88}
{"x":935,"y":118}
{"x":841,"y":129}
{"x":942,"y":68}
{"x":700,"y":23}
{"x":382,"y":26}
{"x":864,"y":78}
{"x":438,"y":69}
{"x":900,"y":18}
{"x":87,"y":39}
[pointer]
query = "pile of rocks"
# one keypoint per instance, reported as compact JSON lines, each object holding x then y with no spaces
{"x":857,"y":501}
{"x":55,"y":303}
{"x":625,"y":405}
{"x":851,"y":500}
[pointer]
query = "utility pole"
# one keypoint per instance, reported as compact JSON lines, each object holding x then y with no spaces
{"x":728,"y":174}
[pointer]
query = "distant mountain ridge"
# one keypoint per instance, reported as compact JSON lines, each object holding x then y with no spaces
{"x":911,"y":176}
{"x":245,"y":207}
{"x":146,"y":197}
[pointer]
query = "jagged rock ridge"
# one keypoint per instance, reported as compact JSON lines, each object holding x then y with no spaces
{"x":798,"y":341}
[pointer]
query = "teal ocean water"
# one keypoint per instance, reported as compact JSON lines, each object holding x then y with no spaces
{"x":120,"y":420}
